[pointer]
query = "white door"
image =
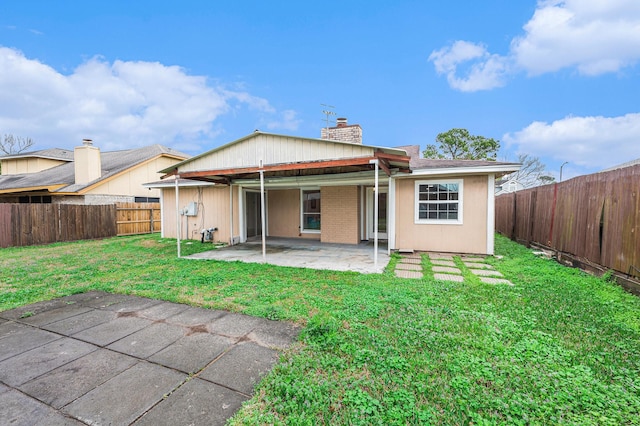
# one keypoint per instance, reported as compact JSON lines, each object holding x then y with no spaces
{"x":382,"y":213}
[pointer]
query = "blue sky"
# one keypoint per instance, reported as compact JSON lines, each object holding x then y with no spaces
{"x":555,"y":79}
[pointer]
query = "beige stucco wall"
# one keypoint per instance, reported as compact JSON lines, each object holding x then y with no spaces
{"x":28,"y":165}
{"x":130,"y":182}
{"x":213,"y":212}
{"x":339,"y":210}
{"x":469,"y":237}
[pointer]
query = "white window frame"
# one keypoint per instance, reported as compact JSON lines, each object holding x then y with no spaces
{"x":302,"y":229}
{"x":417,"y":202}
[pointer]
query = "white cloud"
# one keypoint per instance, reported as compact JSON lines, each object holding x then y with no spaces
{"x":120,"y":105}
{"x":485,"y":71}
{"x":595,"y":36}
{"x":592,"y":36}
{"x":590,"y":142}
{"x":288,"y":120}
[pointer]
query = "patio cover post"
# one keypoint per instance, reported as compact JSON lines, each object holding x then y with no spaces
{"x":177,"y":214}
{"x":375,"y":214}
{"x":264,"y":237}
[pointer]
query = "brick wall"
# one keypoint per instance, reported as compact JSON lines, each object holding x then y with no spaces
{"x":339,"y":214}
{"x":349,"y":133}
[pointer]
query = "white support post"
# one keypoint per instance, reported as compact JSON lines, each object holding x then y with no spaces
{"x":230,"y":214}
{"x":376,"y":198}
{"x":263,"y":218}
{"x":391,"y":216}
{"x":178,"y":221}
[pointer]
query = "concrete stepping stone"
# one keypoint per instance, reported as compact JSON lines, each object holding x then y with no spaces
{"x":472,"y":259}
{"x":485,"y":273}
{"x":408,"y":267}
{"x":442,"y":262}
{"x":440,"y":256}
{"x":408,"y":274}
{"x":449,"y":277}
{"x":475,"y":265}
{"x":489,"y":280}
{"x":412,"y":260}
{"x":446,"y":269}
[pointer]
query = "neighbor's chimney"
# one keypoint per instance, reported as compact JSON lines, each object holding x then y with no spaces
{"x":343,"y":132}
{"x":86,"y":160}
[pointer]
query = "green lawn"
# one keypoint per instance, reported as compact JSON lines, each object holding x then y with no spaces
{"x":558,"y":347}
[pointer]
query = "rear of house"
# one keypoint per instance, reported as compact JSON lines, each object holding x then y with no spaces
{"x":324,"y":189}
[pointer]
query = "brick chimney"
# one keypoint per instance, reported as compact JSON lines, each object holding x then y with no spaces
{"x":343,"y":132}
{"x":86,"y":160}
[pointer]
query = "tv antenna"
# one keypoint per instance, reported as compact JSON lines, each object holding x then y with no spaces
{"x":328,"y":112}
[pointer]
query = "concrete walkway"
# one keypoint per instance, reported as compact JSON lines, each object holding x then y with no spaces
{"x":99,"y":358}
{"x":444,"y":268}
{"x":301,"y":253}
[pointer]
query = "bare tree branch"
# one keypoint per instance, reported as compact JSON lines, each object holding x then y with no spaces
{"x":10,"y":144}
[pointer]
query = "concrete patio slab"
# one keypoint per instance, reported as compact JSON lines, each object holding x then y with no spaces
{"x":108,"y":332}
{"x":18,"y":409}
{"x":65,"y":377}
{"x":148,"y":341}
{"x":76,"y":324}
{"x":192,"y":353}
{"x":127,"y":396}
{"x":23,"y":339}
{"x":304,"y":253}
{"x":253,"y":360}
{"x":70,"y":381}
{"x":21,"y":368}
{"x":197,"y":402}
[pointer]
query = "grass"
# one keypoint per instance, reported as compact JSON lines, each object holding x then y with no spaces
{"x":560,"y":346}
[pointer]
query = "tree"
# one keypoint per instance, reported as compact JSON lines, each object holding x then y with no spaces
{"x":15,"y":144}
{"x":532,"y":172}
{"x":459,"y":144}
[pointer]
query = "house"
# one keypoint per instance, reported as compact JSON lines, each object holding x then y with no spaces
{"x":505,"y":186}
{"x":323,"y":189}
{"x":84,"y":175}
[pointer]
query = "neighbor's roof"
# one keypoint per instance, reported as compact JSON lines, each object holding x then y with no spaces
{"x":420,"y":165}
{"x":622,"y":166}
{"x":61,"y":179}
{"x":50,"y":153}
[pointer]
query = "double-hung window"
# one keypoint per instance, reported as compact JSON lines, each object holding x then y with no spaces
{"x":438,"y":201}
{"x":310,"y":210}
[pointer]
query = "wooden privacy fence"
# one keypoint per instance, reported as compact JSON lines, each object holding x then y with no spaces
{"x":594,"y":218}
{"x":32,"y":224}
{"x":138,"y":218}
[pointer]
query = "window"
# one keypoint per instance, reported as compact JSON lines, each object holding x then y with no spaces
{"x":147,"y":199}
{"x":439,"y":202}
{"x":310,"y":210}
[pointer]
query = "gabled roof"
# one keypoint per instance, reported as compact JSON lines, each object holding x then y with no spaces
{"x":61,"y":179}
{"x":50,"y":153}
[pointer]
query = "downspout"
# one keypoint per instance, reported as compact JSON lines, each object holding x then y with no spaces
{"x":491,"y":214}
{"x":178,"y":215}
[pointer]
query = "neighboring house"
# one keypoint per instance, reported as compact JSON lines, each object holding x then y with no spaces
{"x":323,"y":189}
{"x":622,"y":166}
{"x":506,"y":186}
{"x":84,"y":175}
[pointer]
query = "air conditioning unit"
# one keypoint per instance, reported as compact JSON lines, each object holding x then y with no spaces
{"x":191,"y":209}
